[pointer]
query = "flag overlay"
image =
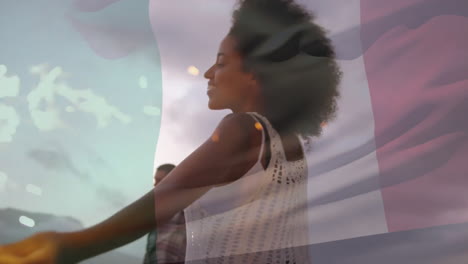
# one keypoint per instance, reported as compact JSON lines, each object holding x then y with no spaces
{"x":387,"y":180}
{"x":399,"y":195}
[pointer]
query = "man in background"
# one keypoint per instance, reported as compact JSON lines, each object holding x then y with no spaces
{"x":166,"y":244}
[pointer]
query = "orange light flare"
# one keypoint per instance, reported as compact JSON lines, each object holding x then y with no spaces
{"x":258,"y":126}
{"x":215,"y":137}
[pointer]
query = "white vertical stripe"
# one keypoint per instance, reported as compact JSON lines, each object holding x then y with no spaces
{"x":344,"y":197}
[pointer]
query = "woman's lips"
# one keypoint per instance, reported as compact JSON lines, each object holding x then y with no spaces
{"x":210,"y":89}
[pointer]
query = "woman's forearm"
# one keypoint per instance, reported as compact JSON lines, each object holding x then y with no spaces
{"x":127,"y":225}
{"x":130,"y":223}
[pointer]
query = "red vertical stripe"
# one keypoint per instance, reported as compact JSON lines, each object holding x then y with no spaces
{"x":417,"y":69}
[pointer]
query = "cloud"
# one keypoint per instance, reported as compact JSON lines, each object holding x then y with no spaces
{"x":9,"y":86}
{"x":113,"y":196}
{"x":143,"y":82}
{"x":85,"y":100}
{"x":88,"y":102}
{"x":57,"y":160}
{"x":43,"y":97}
{"x":9,"y":121}
{"x":34,"y":189}
{"x":151,"y":110}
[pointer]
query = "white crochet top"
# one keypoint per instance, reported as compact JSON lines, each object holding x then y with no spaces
{"x":260,"y":218}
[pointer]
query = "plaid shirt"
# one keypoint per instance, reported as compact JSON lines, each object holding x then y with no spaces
{"x":166,"y":245}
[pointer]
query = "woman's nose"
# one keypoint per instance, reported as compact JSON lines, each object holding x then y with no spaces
{"x":209,"y":73}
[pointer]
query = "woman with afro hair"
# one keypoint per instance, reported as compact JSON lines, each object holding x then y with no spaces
{"x":244,"y":189}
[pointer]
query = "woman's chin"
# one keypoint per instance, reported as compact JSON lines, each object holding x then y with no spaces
{"x":214,"y":106}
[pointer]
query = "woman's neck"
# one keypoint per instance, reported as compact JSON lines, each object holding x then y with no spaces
{"x":252,"y":106}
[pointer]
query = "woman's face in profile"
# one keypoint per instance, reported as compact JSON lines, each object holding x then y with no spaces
{"x":229,"y":86}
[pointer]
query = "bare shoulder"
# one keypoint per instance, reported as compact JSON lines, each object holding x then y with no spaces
{"x":227,"y":155}
{"x":238,"y":128}
{"x":242,"y":121}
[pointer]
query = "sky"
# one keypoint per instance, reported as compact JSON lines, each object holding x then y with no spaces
{"x":80,"y":107}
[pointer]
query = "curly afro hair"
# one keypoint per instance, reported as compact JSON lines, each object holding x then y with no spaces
{"x":293,"y":60}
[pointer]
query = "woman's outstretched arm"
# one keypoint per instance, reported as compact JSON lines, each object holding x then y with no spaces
{"x":223,"y":158}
